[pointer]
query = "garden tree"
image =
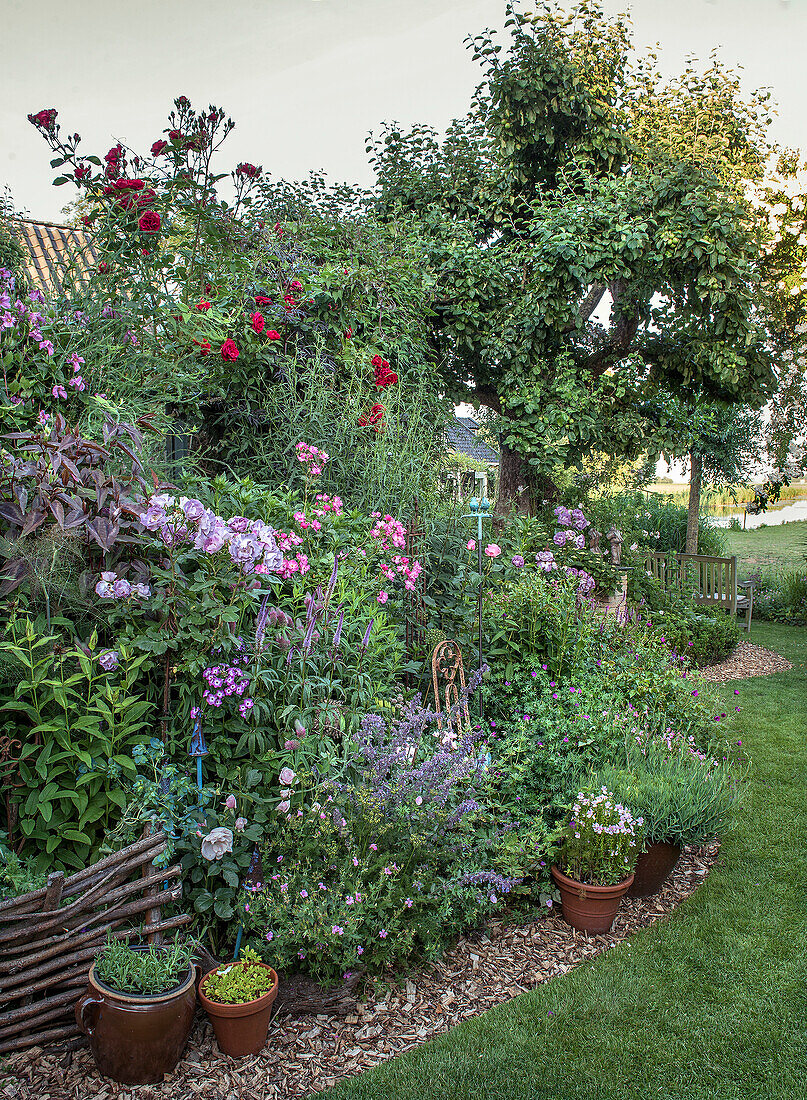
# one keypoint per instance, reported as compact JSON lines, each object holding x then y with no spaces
{"x":781,"y":197}
{"x":723,"y":444}
{"x":257,"y":319}
{"x":582,"y":185}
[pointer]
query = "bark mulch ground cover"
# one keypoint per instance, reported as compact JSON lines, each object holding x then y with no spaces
{"x":746,"y":661}
{"x":306,"y":1054}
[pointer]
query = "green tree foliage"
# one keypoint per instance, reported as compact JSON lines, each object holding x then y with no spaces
{"x":581,"y":179}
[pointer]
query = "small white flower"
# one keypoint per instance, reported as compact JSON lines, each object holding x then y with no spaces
{"x":217,"y":843}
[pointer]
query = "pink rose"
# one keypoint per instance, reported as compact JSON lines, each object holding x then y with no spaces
{"x":493,"y":550}
{"x":471,"y":544}
{"x":230,"y":802}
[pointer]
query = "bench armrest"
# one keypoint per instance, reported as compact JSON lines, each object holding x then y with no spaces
{"x":746,"y":584}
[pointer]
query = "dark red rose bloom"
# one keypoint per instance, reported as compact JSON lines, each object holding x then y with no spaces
{"x":203,"y":346}
{"x":377,"y":361}
{"x":159,"y":147}
{"x":272,"y":335}
{"x":82,"y":172}
{"x":103,"y":267}
{"x":348,"y":334}
{"x":114,"y":154}
{"x":45,"y":118}
{"x":373,"y":419}
{"x":385,"y":378}
{"x":149,"y":222}
{"x":258,"y":322}
{"x":127,"y":185}
{"x":229,"y":351}
{"x":203,"y":306}
{"x":296,"y":285}
{"x":262,"y":300}
{"x":182,"y":101}
{"x":248,"y":170}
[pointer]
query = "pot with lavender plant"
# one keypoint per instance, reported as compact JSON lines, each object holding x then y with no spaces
{"x":595,"y":862}
{"x":138,"y":1009}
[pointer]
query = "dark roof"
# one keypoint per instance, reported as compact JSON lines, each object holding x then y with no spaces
{"x":55,"y":253}
{"x":461,"y":437}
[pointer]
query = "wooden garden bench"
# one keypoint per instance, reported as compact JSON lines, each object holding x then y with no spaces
{"x":713,"y":580}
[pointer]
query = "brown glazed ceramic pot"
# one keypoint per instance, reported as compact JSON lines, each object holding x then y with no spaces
{"x":136,"y":1039}
{"x":240,"y":1029}
{"x":589,"y":908}
{"x":653,"y":866}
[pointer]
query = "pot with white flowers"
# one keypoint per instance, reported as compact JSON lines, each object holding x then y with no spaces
{"x":596,"y":855}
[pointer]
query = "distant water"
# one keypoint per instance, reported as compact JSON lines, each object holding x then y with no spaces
{"x":784,"y":512}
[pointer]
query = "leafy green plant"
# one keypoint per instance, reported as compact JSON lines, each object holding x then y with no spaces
{"x":81,"y":715}
{"x":149,"y":971}
{"x":239,"y":982}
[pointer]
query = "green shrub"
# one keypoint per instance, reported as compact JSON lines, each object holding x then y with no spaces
{"x":781,"y":596}
{"x":146,"y":970}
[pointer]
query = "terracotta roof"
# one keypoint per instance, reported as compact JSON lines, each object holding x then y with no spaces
{"x":55,"y":254}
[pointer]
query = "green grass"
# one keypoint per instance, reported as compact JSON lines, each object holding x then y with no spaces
{"x":780,"y":547}
{"x":710,"y":1005}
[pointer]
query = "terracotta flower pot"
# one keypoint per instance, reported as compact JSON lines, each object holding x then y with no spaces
{"x":653,"y":866}
{"x":589,"y":908}
{"x":240,"y":1029}
{"x":136,"y":1039}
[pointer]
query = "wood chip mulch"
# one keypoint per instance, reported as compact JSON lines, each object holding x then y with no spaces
{"x":746,"y":661}
{"x":306,"y":1054}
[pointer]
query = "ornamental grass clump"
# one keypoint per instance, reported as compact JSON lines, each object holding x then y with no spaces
{"x":601,"y":841}
{"x":240,"y":982}
{"x":684,"y":797}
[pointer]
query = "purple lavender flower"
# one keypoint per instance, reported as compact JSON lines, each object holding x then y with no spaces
{"x":366,"y":639}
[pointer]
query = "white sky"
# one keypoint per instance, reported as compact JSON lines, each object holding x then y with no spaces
{"x":306,"y":79}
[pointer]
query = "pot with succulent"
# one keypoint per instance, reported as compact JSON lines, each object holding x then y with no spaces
{"x":596,"y":854}
{"x":138,"y":1009}
{"x":684,"y":797}
{"x":238,"y":997}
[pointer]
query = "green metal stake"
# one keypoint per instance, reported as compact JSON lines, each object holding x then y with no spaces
{"x":479,"y":512}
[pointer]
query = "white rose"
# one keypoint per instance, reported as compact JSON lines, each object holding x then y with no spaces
{"x":217,"y":843}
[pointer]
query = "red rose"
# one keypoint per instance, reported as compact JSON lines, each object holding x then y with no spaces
{"x":272,"y":335}
{"x":377,"y":361}
{"x":348,"y":333}
{"x":262,"y":300}
{"x":204,"y":347}
{"x":149,"y":222}
{"x":125,"y":185}
{"x":258,"y":322}
{"x":82,"y":172}
{"x":229,"y":351}
{"x":45,"y":118}
{"x":296,"y":285}
{"x":248,"y":170}
{"x":159,"y":147}
{"x":203,"y":307}
{"x":103,"y":267}
{"x":175,"y":135}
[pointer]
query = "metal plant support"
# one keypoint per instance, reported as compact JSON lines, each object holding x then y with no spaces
{"x":479,"y":511}
{"x":447,"y":667}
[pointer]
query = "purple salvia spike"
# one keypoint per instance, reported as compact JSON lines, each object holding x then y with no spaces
{"x":260,"y":625}
{"x":332,"y":581}
{"x":309,"y":634}
{"x":366,"y":639}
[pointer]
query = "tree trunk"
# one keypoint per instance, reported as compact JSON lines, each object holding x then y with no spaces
{"x":693,"y":512}
{"x":518,"y":486}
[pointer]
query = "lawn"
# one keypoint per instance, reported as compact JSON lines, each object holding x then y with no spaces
{"x":775,"y":547}
{"x":711,"y":1005}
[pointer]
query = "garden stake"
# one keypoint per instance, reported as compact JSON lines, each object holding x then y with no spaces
{"x":198,"y":749}
{"x":479,"y":512}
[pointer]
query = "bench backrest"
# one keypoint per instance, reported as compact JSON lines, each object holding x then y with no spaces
{"x":711,"y":580}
